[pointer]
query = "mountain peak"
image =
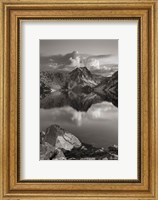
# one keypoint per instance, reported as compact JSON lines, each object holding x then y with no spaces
{"x":55,"y":129}
{"x":80,"y":77}
{"x":83,"y":69}
{"x":80,"y":72}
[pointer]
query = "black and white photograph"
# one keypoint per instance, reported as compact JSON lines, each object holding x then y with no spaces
{"x":79,"y":99}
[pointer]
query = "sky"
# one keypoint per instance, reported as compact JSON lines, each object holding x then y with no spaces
{"x":94,"y":47}
{"x":94,"y":54}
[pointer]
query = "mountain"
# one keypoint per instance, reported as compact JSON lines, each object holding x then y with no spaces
{"x":78,"y":89}
{"x":79,"y":78}
{"x":79,"y":81}
{"x":112,"y":84}
{"x":109,"y":83}
{"x":44,"y":90}
{"x":53,"y":80}
{"x":109,"y":87}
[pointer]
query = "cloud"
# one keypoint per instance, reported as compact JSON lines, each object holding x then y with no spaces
{"x":75,"y":61}
{"x":101,"y":111}
{"x":58,"y":59}
{"x":95,"y":63}
{"x":92,"y":64}
{"x":100,"y":56}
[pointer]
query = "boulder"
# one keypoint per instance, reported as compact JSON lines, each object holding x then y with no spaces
{"x":59,"y":155}
{"x":113,"y":157}
{"x":60,"y":139}
{"x":113,"y":148}
{"x":105,"y":158}
{"x":67,"y":142}
{"x":47,"y":151}
{"x":42,"y":137}
{"x":83,"y":148}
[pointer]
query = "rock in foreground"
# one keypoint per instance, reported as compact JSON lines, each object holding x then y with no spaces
{"x":58,"y":144}
{"x":60,"y":139}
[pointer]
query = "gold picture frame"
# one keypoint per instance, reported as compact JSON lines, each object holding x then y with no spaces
{"x":12,"y":13}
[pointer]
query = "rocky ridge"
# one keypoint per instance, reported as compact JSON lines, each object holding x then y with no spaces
{"x":79,"y":80}
{"x":58,"y":144}
{"x":77,"y":86}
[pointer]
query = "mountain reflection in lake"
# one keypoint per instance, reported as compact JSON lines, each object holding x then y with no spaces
{"x":88,"y":116}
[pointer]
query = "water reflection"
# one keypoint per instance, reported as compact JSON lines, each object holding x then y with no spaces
{"x":91,"y":117}
{"x":78,"y":101}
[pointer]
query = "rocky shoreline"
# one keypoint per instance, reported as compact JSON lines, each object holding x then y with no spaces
{"x":58,"y":144}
